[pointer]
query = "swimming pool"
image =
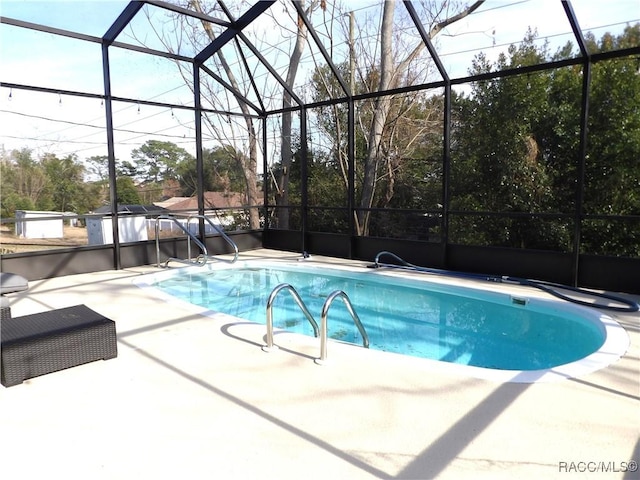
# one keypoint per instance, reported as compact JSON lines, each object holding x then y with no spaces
{"x":480,"y":329}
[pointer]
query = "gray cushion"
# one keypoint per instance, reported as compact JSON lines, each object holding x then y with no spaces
{"x":10,"y":282}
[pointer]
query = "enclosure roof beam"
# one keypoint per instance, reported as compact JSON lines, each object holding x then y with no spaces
{"x":189,"y":13}
{"x":229,"y":87}
{"x":596,"y":57}
{"x":137,"y":101}
{"x":55,"y":91}
{"x":225,"y":10}
{"x":426,"y":39}
{"x":151,"y":51}
{"x":577,"y":31}
{"x":262,"y":60}
{"x":55,"y":31}
{"x":122,"y":21}
{"x":89,"y":38}
{"x":320,"y":46}
{"x":230,"y":33}
{"x":269,"y":67}
{"x":252,"y":80}
{"x":170,"y":105}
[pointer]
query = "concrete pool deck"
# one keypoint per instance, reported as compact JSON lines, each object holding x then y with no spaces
{"x":195,"y":397}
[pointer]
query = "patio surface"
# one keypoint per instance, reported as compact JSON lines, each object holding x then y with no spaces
{"x":195,"y":397}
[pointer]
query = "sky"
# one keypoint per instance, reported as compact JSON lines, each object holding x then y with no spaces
{"x":64,"y":125}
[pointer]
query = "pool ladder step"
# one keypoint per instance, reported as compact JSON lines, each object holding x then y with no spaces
{"x":318,"y":331}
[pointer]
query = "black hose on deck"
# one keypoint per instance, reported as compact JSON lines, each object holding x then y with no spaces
{"x":550,"y":288}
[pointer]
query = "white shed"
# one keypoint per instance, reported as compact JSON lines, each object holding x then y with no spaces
{"x":130,"y":229}
{"x":132,"y":224}
{"x":34,"y":224}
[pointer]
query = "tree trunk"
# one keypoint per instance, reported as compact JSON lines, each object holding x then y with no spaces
{"x":390,"y":77}
{"x":286,"y":152}
{"x":381,"y":109}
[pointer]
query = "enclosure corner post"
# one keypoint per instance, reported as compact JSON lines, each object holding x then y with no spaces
{"x":113,"y":191}
{"x":197,"y":101}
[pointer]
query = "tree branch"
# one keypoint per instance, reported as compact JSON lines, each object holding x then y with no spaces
{"x":448,"y":21}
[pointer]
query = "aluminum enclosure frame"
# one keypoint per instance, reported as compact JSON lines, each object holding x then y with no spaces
{"x":234,"y":32}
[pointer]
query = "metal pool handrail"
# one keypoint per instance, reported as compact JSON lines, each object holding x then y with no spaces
{"x":200,"y":261}
{"x":301,"y":304}
{"x":323,"y":322}
{"x":222,"y":234}
{"x":548,"y":287}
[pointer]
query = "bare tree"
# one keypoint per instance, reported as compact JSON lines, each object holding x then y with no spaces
{"x":248,"y":163}
{"x":286,"y":150}
{"x":383,"y":55}
{"x":192,"y":34}
{"x":185,"y":32}
{"x":380,"y":159}
{"x":392,"y":73}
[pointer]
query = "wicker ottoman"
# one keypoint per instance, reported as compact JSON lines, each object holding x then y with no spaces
{"x":5,"y":308}
{"x":41,"y":343}
{"x":10,"y":283}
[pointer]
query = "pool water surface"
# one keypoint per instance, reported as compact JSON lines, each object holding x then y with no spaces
{"x":459,"y":325}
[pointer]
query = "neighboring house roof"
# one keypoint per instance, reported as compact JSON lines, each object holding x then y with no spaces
{"x":170,"y":201}
{"x":145,"y":209}
{"x":211,"y":200}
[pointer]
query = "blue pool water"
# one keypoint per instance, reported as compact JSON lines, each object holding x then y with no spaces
{"x":423,"y":319}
